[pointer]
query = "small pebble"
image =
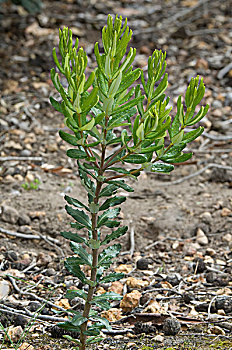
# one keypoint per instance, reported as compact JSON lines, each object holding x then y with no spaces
{"x":171,"y":326}
{"x":9,"y":214}
{"x":142,"y":264}
{"x":201,"y":237}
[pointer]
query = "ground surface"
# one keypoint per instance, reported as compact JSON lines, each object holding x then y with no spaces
{"x":178,"y":224}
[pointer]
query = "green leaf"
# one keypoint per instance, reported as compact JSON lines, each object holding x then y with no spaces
{"x":71,"y":339}
{"x":150,"y":149}
{"x":108,"y":191}
{"x":78,"y":249}
{"x":69,"y":327}
{"x":75,"y":202}
{"x":74,"y":237}
{"x":90,"y":101}
{"x":103,"y":321}
{"x":72,"y":266}
{"x":178,"y":159}
{"x":71,"y":294}
{"x":94,"y":339}
{"x":56,"y":105}
{"x":76,"y":154}
{"x":115,"y":234}
{"x":192,"y":135}
{"x":135,"y":159}
{"x":162,"y":168}
{"x":122,"y":184}
{"x":106,"y":296}
{"x":88,"y":126}
{"x":79,"y":216}
{"x":71,"y":139}
{"x":112,"y":223}
{"x":109,"y":253}
{"x":135,"y":127}
{"x":127,"y":105}
{"x":111,"y":202}
{"x":112,"y":277}
{"x":108,"y":214}
{"x":176,"y":139}
{"x":78,"y":320}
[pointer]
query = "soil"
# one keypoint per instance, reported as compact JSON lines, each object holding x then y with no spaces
{"x":167,"y":217}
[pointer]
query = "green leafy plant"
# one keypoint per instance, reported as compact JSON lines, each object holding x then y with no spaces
{"x":111,"y":108}
{"x":33,"y":185}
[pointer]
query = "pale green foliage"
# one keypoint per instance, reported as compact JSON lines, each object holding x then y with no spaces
{"x":110,"y":108}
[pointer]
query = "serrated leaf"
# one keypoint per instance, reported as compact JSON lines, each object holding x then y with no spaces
{"x":103,"y":321}
{"x":71,"y":294}
{"x":78,"y":320}
{"x":72,"y":266}
{"x":83,"y":254}
{"x":114,"y":235}
{"x":69,"y":327}
{"x":162,"y":168}
{"x":111,"y":202}
{"x":112,"y":277}
{"x":108,"y":191}
{"x":75,"y":202}
{"x":76,"y":154}
{"x":106,"y":296}
{"x":112,"y":223}
{"x":109,"y":253}
{"x":94,"y":339}
{"x":71,"y":339}
{"x":122,"y":184}
{"x":74,"y":237}
{"x":79,"y":216}
{"x":108,"y":214}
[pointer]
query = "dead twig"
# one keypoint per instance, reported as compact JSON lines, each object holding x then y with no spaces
{"x":25,"y":236}
{"x":132,"y":241}
{"x":12,"y":280}
{"x":9,"y":158}
{"x":217,"y":138}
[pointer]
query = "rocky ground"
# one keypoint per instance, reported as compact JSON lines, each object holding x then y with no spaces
{"x":177,"y":254}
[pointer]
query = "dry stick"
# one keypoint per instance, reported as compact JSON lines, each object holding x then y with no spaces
{"x":217,"y":138}
{"x":132,"y":241}
{"x":29,"y":314}
{"x":35,"y":159}
{"x":210,"y":165}
{"x":35,"y":296}
{"x":25,"y":236}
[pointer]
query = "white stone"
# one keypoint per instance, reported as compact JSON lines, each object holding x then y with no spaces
{"x":4,"y":289}
{"x":201,"y":237}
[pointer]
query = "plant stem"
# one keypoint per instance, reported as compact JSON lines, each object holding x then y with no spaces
{"x":94,"y":265}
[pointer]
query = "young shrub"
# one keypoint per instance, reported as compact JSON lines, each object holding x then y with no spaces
{"x":111,"y":107}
